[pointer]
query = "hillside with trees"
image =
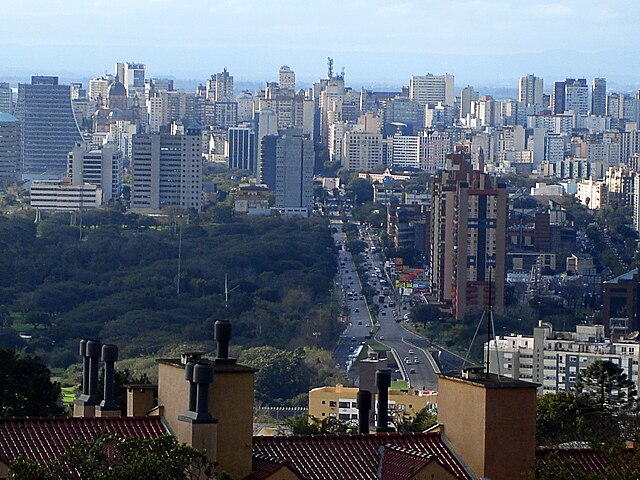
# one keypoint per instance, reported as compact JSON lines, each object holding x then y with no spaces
{"x":119,"y":279}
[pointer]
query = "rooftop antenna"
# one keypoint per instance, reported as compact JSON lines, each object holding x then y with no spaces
{"x":329,"y":68}
{"x":489,"y":318}
{"x":227,"y":291}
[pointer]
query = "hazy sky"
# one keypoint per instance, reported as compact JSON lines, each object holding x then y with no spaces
{"x":482,"y":42}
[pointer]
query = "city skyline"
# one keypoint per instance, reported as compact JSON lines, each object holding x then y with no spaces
{"x":489,"y":43}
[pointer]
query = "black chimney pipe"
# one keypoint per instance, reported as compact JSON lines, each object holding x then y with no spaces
{"x":222,"y":334}
{"x":109,"y":357}
{"x":188,"y":375}
{"x":202,"y":376}
{"x":363,"y":402}
{"x":93,"y":354}
{"x":383,"y":382}
{"x":85,"y":367}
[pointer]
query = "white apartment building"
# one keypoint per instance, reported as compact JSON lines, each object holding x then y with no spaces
{"x":362,"y":150}
{"x":166,"y":170}
{"x":555,"y":359}
{"x":592,"y":193}
{"x":429,"y":88}
{"x":530,"y":90}
{"x":406,"y":151}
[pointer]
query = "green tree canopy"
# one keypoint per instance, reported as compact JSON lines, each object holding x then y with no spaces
{"x":116,"y":458}
{"x":26,"y":388}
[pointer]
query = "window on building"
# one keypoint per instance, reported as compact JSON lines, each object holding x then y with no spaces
{"x":332,"y":403}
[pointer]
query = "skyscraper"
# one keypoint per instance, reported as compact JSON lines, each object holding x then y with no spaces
{"x":220,"y":87}
{"x":576,"y":96}
{"x":48,"y":126}
{"x":530,"y":90}
{"x":242,"y":149}
{"x":599,"y":96}
{"x":467,"y":95}
{"x":6,"y":98}
{"x":294,"y":172}
{"x":468,"y":236}
{"x":287,"y":79}
{"x":557,"y":97}
{"x":131,"y":75}
{"x":432,"y":89}
{"x":102,"y":167}
{"x":9,"y":146}
{"x":166,"y":170}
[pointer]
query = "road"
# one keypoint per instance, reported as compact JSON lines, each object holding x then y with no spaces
{"x":415,"y":364}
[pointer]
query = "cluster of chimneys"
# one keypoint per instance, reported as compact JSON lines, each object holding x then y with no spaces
{"x":88,"y":403}
{"x":364,"y":404}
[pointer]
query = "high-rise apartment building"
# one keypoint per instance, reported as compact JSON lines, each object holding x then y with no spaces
{"x":99,"y":89}
{"x":9,"y":146}
{"x":406,"y":151}
{"x":530,"y":90}
{"x":468,"y":229}
{"x":467,"y":96}
{"x":102,"y":167}
{"x":242,"y":149}
{"x":432,"y":89}
{"x":6,"y":98}
{"x":362,"y":151}
{"x":220,"y":87}
{"x":287,"y":79}
{"x":576,"y":97}
{"x":166,"y":170}
{"x":294,"y":172}
{"x":48,"y":126}
{"x":599,"y":96}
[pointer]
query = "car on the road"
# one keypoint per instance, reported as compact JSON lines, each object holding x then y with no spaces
{"x":408,"y":361}
{"x":353,"y":339}
{"x":413,"y":370}
{"x":381,"y":337}
{"x":410,"y":351}
{"x":357,"y":310}
{"x":367,"y":325}
{"x":360,"y":322}
{"x":416,"y":360}
{"x":383,"y":313}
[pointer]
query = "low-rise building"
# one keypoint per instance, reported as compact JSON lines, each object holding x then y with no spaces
{"x":62,"y":195}
{"x":340,"y":402}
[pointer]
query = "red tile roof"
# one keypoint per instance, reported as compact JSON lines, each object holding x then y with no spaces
{"x":44,"y":438}
{"x":351,"y":457}
{"x":263,"y":468}
{"x":404,"y":463}
{"x":575,"y":464}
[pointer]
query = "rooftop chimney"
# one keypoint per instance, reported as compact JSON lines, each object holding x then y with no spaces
{"x":201,"y":376}
{"x":108,"y":406}
{"x":222,"y":334}
{"x":383,"y":382}
{"x":85,"y":404}
{"x":363,"y":401}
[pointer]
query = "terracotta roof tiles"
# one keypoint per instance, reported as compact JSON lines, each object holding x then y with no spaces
{"x":44,"y":438}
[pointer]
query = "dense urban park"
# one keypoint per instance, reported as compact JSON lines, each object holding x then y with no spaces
{"x":155,"y":286}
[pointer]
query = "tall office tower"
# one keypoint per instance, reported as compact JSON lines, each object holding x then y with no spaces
{"x":485,"y":111}
{"x":530,"y":90}
{"x":245,"y":106}
{"x":294,"y":172}
{"x":599,"y":96}
{"x":576,"y":96}
{"x":99,"y":89}
{"x":401,"y":111}
{"x":241,"y":143}
{"x":362,"y":151}
{"x":267,"y":170}
{"x":77,"y":92}
{"x":406,"y":151}
{"x":9,"y":146}
{"x":267,"y":125}
{"x":48,"y":127}
{"x":220,"y":87}
{"x":6,"y":98}
{"x":166,"y":170}
{"x":432,"y":89}
{"x":467,"y":95}
{"x":131,"y":75}
{"x":468,"y":232}
{"x":101,"y":167}
{"x":287,"y":79}
{"x":557,"y":97}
